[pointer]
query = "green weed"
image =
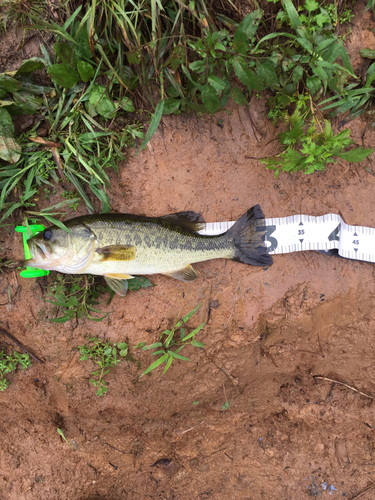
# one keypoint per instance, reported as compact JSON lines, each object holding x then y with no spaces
{"x":105,"y":356}
{"x":78,"y":296}
{"x":171,"y":344}
{"x":9,"y":363}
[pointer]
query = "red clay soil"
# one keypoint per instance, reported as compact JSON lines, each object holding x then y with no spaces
{"x":285,"y":434}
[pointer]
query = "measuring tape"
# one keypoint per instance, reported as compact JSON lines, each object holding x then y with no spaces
{"x":299,"y":233}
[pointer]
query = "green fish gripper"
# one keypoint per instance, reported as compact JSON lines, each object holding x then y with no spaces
{"x":30,"y":272}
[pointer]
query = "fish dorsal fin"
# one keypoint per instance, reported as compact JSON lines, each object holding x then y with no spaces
{"x":117,"y":252}
{"x":118,"y":286}
{"x":188,"y":273}
{"x":189,"y":220}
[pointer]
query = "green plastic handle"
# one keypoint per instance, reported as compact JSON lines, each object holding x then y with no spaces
{"x":30,"y":272}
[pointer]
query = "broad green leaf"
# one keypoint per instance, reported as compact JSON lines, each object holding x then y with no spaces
{"x":297,"y":74}
{"x":127,"y":105}
{"x":154,"y":123}
{"x":195,"y":343}
{"x":313,"y":84}
{"x":134,"y":56}
{"x":295,"y":20}
{"x":370,"y":5}
{"x":247,"y":76}
{"x":311,"y":5}
{"x":327,"y":130}
{"x":2,"y":94}
{"x":355,"y":155}
{"x":171,"y":105}
{"x":306,"y":44}
{"x":367,"y":53}
{"x":100,"y":101}
{"x":197,"y":66}
{"x":83,"y":50}
{"x":345,"y":59}
{"x":30,"y":65}
{"x":85,"y":70}
{"x":10,"y":151}
{"x":64,"y":75}
{"x":210,"y":99}
{"x":324,"y":44}
{"x":6,"y":124}
{"x":266,"y":72}
{"x":238,"y":96}
{"x":9,"y":84}
{"x":64,"y":51}
{"x":240,"y":41}
{"x":137,"y":283}
{"x":320,"y":73}
{"x":250,"y":23}
{"x":25,"y":103}
{"x":216,"y":82}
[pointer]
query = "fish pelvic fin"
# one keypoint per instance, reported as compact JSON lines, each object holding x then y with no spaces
{"x":118,"y":276}
{"x":188,"y":273}
{"x":118,"y":286}
{"x":117,"y":252}
{"x":248,"y":234}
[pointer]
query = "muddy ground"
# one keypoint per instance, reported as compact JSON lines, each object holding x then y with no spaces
{"x":284,"y":435}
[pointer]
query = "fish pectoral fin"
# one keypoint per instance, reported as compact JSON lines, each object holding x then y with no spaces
{"x":189,"y":220}
{"x":117,"y":252}
{"x":188,"y":273}
{"x":118,"y":276}
{"x":118,"y":286}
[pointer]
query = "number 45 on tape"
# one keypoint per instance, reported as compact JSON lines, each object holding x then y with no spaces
{"x":302,"y":232}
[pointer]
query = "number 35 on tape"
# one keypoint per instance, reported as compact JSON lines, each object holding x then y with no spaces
{"x":302,"y":232}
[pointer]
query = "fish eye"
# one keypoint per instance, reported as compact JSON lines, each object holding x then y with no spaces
{"x":47,"y":234}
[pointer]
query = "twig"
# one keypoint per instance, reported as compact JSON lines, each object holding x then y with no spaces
{"x":368,"y":488}
{"x":188,"y":430}
{"x":4,"y":332}
{"x":315,"y":377}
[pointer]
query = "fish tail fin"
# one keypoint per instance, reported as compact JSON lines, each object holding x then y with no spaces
{"x":248,"y":234}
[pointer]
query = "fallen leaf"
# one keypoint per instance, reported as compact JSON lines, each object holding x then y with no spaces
{"x":50,"y":144}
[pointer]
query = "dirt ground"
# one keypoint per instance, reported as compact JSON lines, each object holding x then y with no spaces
{"x":285,"y":434}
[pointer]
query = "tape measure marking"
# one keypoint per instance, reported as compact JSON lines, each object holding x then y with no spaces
{"x":299,"y":233}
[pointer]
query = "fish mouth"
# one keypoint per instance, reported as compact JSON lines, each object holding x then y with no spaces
{"x":40,"y":256}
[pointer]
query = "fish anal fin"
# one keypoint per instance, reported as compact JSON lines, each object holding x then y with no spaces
{"x":118,"y":286}
{"x":189,"y":220}
{"x":188,"y":273}
{"x":117,"y":252}
{"x":118,"y":276}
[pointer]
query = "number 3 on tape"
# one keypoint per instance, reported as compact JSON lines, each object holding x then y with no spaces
{"x":303,"y":232}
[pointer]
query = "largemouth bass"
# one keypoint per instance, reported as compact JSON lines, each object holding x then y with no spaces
{"x":118,"y":246}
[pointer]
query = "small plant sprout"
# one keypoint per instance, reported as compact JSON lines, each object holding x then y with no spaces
{"x":60,"y":432}
{"x":225,"y":406}
{"x":169,"y":346}
{"x":9,"y":363}
{"x":105,"y":356}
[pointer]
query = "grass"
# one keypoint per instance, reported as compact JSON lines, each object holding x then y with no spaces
{"x":104,"y":354}
{"x":107,"y":355}
{"x":170,"y":344}
{"x":9,"y":363}
{"x":115,"y":68}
